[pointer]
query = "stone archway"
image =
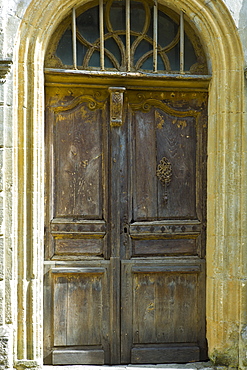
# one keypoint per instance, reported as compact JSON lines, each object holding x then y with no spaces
{"x":226,"y":234}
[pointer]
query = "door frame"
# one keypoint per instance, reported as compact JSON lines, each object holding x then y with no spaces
{"x":157,"y":88}
{"x":226,"y":189}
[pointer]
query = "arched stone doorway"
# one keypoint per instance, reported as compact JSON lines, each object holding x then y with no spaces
{"x":126,"y":188}
{"x":226,"y":187}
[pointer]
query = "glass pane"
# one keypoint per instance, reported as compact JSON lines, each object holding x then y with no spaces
{"x":123,"y":38}
{"x":111,"y":45}
{"x":81,"y":52}
{"x":138,"y":16}
{"x":189,"y":54}
{"x":174,"y":58}
{"x":142,"y":49}
{"x":88,"y":24}
{"x":148,"y":64}
{"x":117,"y":15}
{"x":108,"y":63}
{"x":160,"y":64}
{"x":65,"y":50}
{"x":94,"y":60}
{"x":167,"y":29}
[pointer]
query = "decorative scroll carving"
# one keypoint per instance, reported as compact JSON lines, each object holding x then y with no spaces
{"x":91,"y":101}
{"x":145,"y":104}
{"x":164,"y":174}
{"x":116,"y":105}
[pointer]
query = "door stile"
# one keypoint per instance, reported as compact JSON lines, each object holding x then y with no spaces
{"x":115,"y":310}
{"x":127,"y":218}
{"x":105,"y":182}
{"x":117,"y":168}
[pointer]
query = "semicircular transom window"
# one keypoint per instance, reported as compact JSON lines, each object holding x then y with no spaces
{"x":126,"y":36}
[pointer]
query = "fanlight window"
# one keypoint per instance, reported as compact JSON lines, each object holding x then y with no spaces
{"x":126,"y":36}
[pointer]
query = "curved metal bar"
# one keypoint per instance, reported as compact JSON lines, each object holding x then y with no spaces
{"x":127,"y":52}
{"x":92,"y":48}
{"x":172,"y":44}
{"x":90,"y":52}
{"x":113,"y":33}
{"x":165,"y":60}
{"x":82,"y":40}
{"x":143,"y":35}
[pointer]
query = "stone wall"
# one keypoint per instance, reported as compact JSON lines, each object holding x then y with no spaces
{"x":21,"y":111}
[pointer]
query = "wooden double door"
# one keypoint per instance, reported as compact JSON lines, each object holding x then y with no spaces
{"x":124,"y":263}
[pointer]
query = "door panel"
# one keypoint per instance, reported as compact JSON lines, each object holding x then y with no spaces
{"x":78,"y":163}
{"x":162,"y":310}
{"x":125,"y":226}
{"x":171,"y":135}
{"x":77,"y":297}
{"x":76,"y":174}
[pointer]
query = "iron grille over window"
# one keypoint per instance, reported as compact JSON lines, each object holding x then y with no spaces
{"x":127,"y":36}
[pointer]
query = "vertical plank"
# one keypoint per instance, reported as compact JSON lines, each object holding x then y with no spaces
{"x":60,"y":310}
{"x":77,"y":306}
{"x":176,"y":141}
{"x":96,"y":307}
{"x":84,"y":316}
{"x":115,"y":310}
{"x":126,"y":312}
{"x":105,"y":176}
{"x":118,"y":184}
{"x":49,"y":320}
{"x":145,"y":183}
{"x":144,"y":303}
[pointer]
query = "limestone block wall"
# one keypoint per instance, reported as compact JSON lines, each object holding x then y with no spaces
{"x":25,"y":27}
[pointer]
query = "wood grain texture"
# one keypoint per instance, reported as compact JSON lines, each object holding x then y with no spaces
{"x":176,"y":140}
{"x":164,"y":309}
{"x":78,"y":301}
{"x":172,"y":294}
{"x":127,"y":273}
{"x":144,"y":170}
{"x":78,"y":163}
{"x":164,"y":247}
{"x":79,"y":247}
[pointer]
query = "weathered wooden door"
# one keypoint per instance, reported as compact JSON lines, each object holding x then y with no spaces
{"x":125,"y":224}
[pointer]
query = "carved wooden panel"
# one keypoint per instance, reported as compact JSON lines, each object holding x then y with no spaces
{"x":76,"y":173}
{"x":168,"y":134}
{"x":78,"y":166}
{"x":164,"y":136}
{"x":79,"y":296}
{"x":164,"y":312}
